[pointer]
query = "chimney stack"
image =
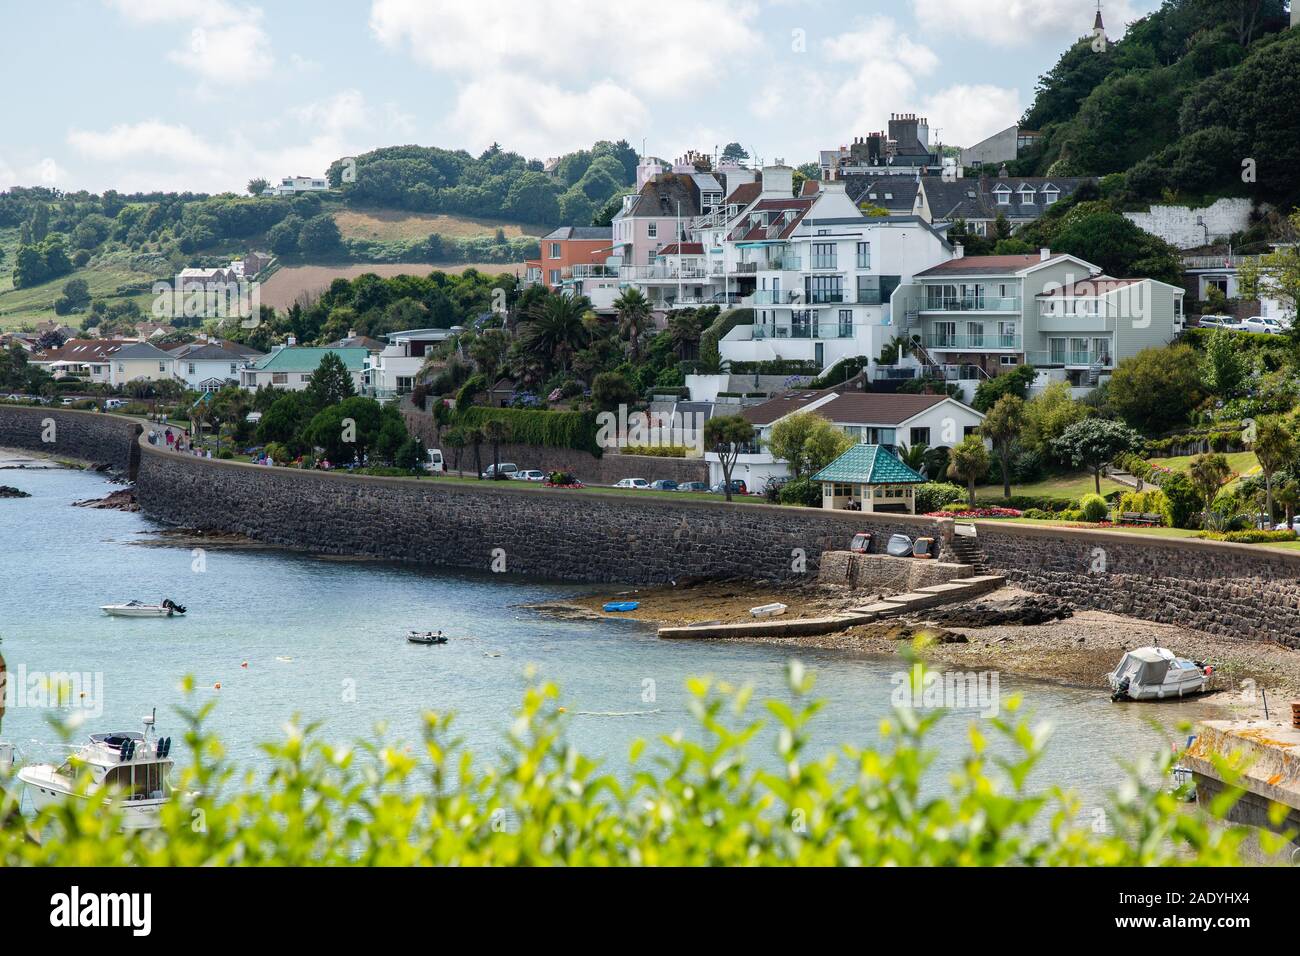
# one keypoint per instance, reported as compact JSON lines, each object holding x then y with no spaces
{"x":1044,"y":254}
{"x":290,"y":342}
{"x":958,"y":250}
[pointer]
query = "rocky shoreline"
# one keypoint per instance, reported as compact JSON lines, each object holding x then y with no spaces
{"x":1012,"y":630}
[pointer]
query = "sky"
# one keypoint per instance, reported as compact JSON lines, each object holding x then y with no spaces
{"x":204,"y":95}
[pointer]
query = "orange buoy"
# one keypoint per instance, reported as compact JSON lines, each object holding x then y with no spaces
{"x":217,"y":686}
{"x":244,"y":665}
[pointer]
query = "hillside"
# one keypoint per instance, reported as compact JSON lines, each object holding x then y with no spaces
{"x":1197,"y":101}
{"x":388,"y":225}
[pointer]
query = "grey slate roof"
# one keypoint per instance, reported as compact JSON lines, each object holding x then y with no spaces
{"x":975,"y":198}
{"x":659,"y":198}
{"x":895,"y":193}
{"x":593,"y":233}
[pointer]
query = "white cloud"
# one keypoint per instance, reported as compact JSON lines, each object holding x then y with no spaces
{"x":153,"y":154}
{"x":964,"y":114}
{"x":542,"y":119}
{"x":30,"y":171}
{"x":225,"y":43}
{"x":1013,"y":23}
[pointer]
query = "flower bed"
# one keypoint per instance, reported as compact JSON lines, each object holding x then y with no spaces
{"x":976,"y":513}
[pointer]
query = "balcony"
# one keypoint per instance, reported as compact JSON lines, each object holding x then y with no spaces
{"x":824,"y":263}
{"x":773,"y":297}
{"x":978,"y":303}
{"x":973,"y":343}
{"x":662,"y":273}
{"x":595,"y":272}
{"x":1071,"y":359}
{"x":775,"y":263}
{"x":819,"y":330}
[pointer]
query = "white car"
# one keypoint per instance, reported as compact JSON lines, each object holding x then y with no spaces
{"x":633,"y":483}
{"x":1216,"y":322}
{"x":505,"y":470}
{"x":1259,"y":323}
{"x":529,"y":474}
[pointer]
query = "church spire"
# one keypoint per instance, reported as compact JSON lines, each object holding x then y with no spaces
{"x":1097,"y":24}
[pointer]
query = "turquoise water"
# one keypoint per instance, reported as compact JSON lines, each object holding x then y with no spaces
{"x":325,"y":639}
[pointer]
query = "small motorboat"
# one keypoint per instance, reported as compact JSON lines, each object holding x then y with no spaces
{"x":899,"y":546}
{"x":1155,"y":673}
{"x":167,"y":608}
{"x":768,"y":610}
{"x":619,"y":606}
{"x":126,"y":766}
{"x":426,"y":637}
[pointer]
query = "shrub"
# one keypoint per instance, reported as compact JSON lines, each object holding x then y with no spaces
{"x":1039,"y":514}
{"x":933,"y":495}
{"x":278,"y":453}
{"x":1094,"y":508}
{"x":1146,"y":502}
{"x":657,"y":451}
{"x":1181,"y":498}
{"x":1248,"y":537}
{"x":574,"y":430}
{"x":1070,"y":514}
{"x":801,"y":491}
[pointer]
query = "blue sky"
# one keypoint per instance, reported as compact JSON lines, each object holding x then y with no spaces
{"x":206,"y":94}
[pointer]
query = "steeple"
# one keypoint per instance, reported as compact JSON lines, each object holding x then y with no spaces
{"x":1097,"y":24}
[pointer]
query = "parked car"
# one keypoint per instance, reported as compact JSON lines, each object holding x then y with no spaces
{"x":663,"y":484}
{"x":529,"y":474}
{"x":1216,"y":322}
{"x":435,"y":463}
{"x":737,"y":488}
{"x":693,"y":486}
{"x":503,"y":470}
{"x":1257,"y":323}
{"x":633,"y":483}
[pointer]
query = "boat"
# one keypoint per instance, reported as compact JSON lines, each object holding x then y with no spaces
{"x":768,"y":610}
{"x":135,"y":766}
{"x":622,"y":605}
{"x":899,"y":546}
{"x":426,"y":637}
{"x":1155,"y":673}
{"x":167,"y":608}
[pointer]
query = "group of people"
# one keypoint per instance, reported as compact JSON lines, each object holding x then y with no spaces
{"x":177,"y":440}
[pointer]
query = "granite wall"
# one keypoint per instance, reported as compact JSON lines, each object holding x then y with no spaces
{"x":85,"y":436}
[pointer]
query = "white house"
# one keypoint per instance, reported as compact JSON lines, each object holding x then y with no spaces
{"x":290,"y":367}
{"x":292,"y":185}
{"x":139,"y":361}
{"x":209,"y":366}
{"x":393,"y":371}
{"x":890,"y":419}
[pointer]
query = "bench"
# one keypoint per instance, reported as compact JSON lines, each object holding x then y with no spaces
{"x":1141,"y":517}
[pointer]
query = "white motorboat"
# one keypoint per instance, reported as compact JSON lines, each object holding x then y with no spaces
{"x":125,"y":766}
{"x":768,"y":610}
{"x":167,"y":608}
{"x":426,"y":637}
{"x":1155,"y":673}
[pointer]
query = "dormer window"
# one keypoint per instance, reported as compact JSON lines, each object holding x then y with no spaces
{"x":1003,"y":194}
{"x":1027,"y":194}
{"x":1050,"y":195}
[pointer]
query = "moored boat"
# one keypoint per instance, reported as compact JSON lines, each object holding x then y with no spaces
{"x":426,"y":637}
{"x":1157,"y":673}
{"x":167,"y":608}
{"x":126,"y":766}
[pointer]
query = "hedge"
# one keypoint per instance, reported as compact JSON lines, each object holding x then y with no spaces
{"x":1248,"y":537}
{"x":723,"y":324}
{"x":528,"y":426}
{"x":656,"y":451}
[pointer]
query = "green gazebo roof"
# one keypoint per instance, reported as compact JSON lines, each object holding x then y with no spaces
{"x":868,"y":465}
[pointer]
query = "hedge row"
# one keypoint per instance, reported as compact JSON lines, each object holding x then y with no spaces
{"x":575,"y":430}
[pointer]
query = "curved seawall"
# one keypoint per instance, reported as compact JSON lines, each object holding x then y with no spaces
{"x":1238,"y":590}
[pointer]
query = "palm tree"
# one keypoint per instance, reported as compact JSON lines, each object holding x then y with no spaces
{"x":634,"y":318}
{"x":455,"y":440}
{"x":684,"y":328}
{"x":914,"y":456}
{"x":475,"y":437}
{"x":555,"y":329}
{"x":1002,"y":426}
{"x":1288,"y":496}
{"x":496,"y":431}
{"x":1274,"y":446}
{"x":1208,"y":473}
{"x":968,"y":464}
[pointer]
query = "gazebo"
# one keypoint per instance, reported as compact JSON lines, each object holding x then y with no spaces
{"x":869,"y":478}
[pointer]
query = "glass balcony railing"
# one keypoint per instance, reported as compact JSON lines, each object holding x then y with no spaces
{"x":820,"y":330}
{"x":773,"y":297}
{"x":1070,"y":358}
{"x":966,"y":342}
{"x":978,"y":303}
{"x":824,"y":262}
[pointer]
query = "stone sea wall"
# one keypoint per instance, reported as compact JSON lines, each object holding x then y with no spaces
{"x":85,"y":436}
{"x":1238,"y":590}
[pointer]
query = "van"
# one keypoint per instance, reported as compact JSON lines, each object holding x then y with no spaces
{"x":112,"y":403}
{"x":435,"y":463}
{"x":503,"y":470}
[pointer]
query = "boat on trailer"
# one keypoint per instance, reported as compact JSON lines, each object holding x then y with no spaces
{"x":167,"y":608}
{"x":126,"y":766}
{"x":1157,"y":673}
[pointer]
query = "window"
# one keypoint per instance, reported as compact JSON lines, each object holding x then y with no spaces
{"x":846,"y":323}
{"x":823,"y":255}
{"x":234,"y":368}
{"x":945,"y":333}
{"x":1056,"y":351}
{"x":918,"y":436}
{"x":823,"y":232}
{"x":889,"y":195}
{"x":970,"y":430}
{"x":554,"y":275}
{"x":652,"y":230}
{"x":824,"y":289}
{"x":1028,"y":195}
{"x":1003,"y":194}
{"x":975,"y":334}
{"x":279,"y":378}
{"x":162,"y":366}
{"x":1007,"y":335}
{"x":555,"y":250}
{"x":1050,"y":196}
{"x":864,"y":255}
{"x":191,"y":364}
{"x":1008,"y":360}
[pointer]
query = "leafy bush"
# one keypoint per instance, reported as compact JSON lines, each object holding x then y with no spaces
{"x":801,"y":491}
{"x":1151,"y":502}
{"x":1039,"y":514}
{"x":1025,"y":502}
{"x":1070,"y":514}
{"x":1248,"y":537}
{"x":933,"y":495}
{"x":657,"y":451}
{"x":1094,"y":508}
{"x":698,"y":798}
{"x":1182,"y":498}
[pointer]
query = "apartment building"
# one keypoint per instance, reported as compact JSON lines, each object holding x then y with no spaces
{"x":565,"y":248}
{"x":1059,"y":313}
{"x":393,"y":371}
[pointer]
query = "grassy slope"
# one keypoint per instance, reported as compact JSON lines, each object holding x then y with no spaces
{"x":386,"y":225}
{"x":1074,"y":485}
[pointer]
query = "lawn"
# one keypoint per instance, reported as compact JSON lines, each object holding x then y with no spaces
{"x":1244,"y":463}
{"x":26,"y":307}
{"x":1153,"y":532}
{"x":390,"y":225}
{"x":1074,"y":485}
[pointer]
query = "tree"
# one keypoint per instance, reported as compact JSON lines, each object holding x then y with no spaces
{"x":349,"y":430}
{"x":319,"y":235}
{"x":727,"y":435}
{"x":455,"y":439}
{"x":1048,"y":415}
{"x":735,"y":153}
{"x":496,"y":431}
{"x":825,"y":443}
{"x":1016,"y":382}
{"x":1002,"y":426}
{"x":1156,"y":389}
{"x":969,"y":463}
{"x":554,"y":329}
{"x":285,"y":419}
{"x":1288,"y":496}
{"x":1275,"y":447}
{"x":1276,"y":276}
{"x":1208,"y":473}
{"x":257,"y":186}
{"x":609,"y":390}
{"x":1095,"y":442}
{"x":634,"y":317}
{"x":788,"y":440}
{"x":1222,"y":368}
{"x":474,"y":437}
{"x":331,"y":383}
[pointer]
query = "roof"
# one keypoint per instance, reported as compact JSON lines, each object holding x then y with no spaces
{"x":780,"y":218}
{"x":682,"y":249}
{"x":809,"y":187}
{"x":974,"y":198}
{"x":869,"y":465}
{"x":660,"y":198}
{"x":989,"y":265}
{"x":585,"y":233}
{"x":297,"y":358}
{"x":184,"y":349}
{"x":358,"y":342}
{"x":210,"y":353}
{"x":84,"y":350}
{"x":141,"y":351}
{"x":745,"y":193}
{"x":847,"y":405}
{"x":895,"y":193}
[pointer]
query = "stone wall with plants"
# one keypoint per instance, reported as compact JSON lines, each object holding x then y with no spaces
{"x":91,"y":437}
